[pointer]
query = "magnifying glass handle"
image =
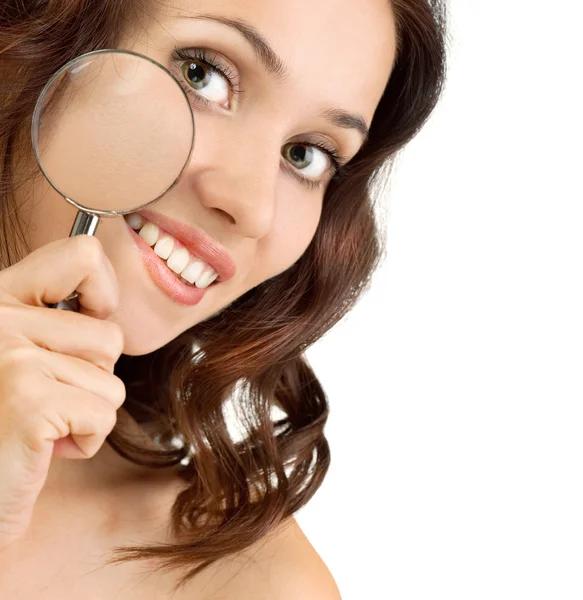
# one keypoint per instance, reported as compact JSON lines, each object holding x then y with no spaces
{"x":85,"y":224}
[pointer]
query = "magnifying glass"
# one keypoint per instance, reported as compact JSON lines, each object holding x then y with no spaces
{"x":112,"y":132}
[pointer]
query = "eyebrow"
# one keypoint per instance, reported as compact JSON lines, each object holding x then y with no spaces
{"x":260,"y":45}
{"x":275,"y":66}
{"x":347,"y":120}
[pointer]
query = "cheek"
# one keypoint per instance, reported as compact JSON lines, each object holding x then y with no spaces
{"x":293,"y":229}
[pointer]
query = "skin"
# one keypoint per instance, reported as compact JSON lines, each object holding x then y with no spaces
{"x":338,"y":54}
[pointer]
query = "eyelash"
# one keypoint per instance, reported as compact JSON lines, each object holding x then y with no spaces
{"x":334,"y":157}
{"x":202,"y":56}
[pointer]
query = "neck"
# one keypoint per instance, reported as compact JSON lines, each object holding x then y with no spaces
{"x":118,"y":489}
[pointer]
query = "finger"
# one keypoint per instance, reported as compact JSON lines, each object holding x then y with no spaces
{"x":68,"y":411}
{"x":67,"y":333}
{"x":54,"y":271}
{"x":82,"y":375}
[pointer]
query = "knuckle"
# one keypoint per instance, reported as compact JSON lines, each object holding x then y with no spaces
{"x":109,"y":303}
{"x":88,"y":250}
{"x":108,"y":419}
{"x":118,"y":391}
{"x":113,"y":339}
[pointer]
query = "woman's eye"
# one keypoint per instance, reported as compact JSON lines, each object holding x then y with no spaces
{"x":311,"y":161}
{"x":207,"y":82}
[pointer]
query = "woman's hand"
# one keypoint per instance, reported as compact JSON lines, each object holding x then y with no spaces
{"x":58,"y":394}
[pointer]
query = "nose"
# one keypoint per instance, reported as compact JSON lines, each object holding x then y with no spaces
{"x":233,"y":172}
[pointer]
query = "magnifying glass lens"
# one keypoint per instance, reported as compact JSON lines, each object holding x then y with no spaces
{"x":113,"y":131}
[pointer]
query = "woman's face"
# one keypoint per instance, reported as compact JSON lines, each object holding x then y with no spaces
{"x":272,"y":85}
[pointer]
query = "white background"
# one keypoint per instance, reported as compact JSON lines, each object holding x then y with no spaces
{"x":456,"y":385}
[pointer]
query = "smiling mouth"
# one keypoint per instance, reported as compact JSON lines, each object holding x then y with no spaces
{"x":188,"y":269}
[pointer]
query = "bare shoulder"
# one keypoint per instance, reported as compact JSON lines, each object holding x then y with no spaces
{"x":296,"y":569}
{"x":283,"y":566}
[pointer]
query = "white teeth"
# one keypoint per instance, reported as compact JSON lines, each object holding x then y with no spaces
{"x":206,"y":279}
{"x":193,"y":271}
{"x":178,"y":260}
{"x":164,"y":247}
{"x":149,"y":233}
{"x":135,"y":221}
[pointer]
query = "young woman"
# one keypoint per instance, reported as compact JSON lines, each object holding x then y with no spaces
{"x":298,"y":106}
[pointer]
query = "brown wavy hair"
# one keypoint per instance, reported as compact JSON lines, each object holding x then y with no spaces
{"x":237,"y":489}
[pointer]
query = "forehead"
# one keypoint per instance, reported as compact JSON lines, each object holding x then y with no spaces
{"x":339,"y":52}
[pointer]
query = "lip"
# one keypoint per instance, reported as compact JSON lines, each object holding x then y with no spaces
{"x":197,"y":243}
{"x":163,"y":277}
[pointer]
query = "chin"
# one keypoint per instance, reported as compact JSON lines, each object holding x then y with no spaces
{"x":146,"y":325}
{"x":140,"y":339}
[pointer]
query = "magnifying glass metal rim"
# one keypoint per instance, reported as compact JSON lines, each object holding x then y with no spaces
{"x":36,"y":119}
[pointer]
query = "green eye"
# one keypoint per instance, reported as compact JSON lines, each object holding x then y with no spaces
{"x":196,"y":75}
{"x":206,"y":81}
{"x":308,"y":159}
{"x":299,"y":156}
